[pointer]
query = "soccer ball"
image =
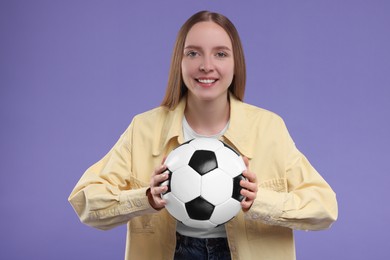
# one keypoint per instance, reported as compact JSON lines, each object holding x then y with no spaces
{"x":204,"y":183}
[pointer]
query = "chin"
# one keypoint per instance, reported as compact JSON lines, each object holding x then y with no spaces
{"x":209,"y":97}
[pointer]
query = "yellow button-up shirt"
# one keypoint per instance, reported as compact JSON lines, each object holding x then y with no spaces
{"x":291,"y":194}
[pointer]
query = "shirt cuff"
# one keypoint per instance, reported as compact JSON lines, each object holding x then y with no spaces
{"x":268,"y":206}
{"x":134,"y":201}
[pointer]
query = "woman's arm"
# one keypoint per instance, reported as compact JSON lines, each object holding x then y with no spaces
{"x":304,"y":200}
{"x":108,"y":194}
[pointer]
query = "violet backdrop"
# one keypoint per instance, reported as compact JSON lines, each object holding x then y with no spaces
{"x":74,"y":73}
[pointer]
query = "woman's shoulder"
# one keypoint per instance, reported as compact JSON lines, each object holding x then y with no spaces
{"x":153,"y":118}
{"x":253,"y":111}
{"x":153,"y":113}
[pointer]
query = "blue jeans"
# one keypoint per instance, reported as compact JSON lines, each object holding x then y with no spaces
{"x":190,"y":248}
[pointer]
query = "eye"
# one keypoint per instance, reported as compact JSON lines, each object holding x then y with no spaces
{"x":221,"y":54}
{"x":191,"y":54}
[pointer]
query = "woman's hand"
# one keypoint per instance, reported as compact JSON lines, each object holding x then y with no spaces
{"x":159,"y":175}
{"x":249,"y":187}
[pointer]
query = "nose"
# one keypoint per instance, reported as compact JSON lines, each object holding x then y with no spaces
{"x":206,"y":65}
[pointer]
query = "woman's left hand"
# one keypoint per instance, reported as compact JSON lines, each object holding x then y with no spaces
{"x":249,"y":187}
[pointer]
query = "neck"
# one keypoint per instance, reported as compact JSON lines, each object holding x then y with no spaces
{"x":207,"y":117}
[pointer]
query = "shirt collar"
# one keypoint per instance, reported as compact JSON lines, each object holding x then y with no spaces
{"x":236,"y":134}
{"x":239,"y":128}
{"x":171,"y":127}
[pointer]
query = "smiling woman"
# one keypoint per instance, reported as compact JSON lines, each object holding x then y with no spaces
{"x":207,"y":72}
{"x":207,"y":64}
{"x":206,"y":86}
{"x":176,"y":88}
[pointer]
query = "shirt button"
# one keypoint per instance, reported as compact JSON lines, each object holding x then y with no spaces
{"x":137,"y":203}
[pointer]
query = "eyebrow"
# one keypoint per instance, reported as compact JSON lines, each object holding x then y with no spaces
{"x":222,"y":47}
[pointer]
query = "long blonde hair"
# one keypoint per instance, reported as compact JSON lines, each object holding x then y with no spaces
{"x":176,"y":88}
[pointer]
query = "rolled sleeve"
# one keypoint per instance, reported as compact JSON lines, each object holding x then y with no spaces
{"x":109,"y":194}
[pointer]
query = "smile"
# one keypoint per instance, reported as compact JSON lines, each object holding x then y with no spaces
{"x":206,"y":81}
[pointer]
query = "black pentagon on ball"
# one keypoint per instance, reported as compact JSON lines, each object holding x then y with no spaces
{"x":237,"y":188}
{"x":203,"y":161}
{"x":199,"y":209}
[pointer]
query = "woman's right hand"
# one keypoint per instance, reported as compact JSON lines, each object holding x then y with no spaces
{"x":159,"y":175}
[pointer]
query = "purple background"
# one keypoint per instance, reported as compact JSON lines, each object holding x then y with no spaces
{"x":74,"y":73}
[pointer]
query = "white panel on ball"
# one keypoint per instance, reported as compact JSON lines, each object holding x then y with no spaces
{"x":210,"y":144}
{"x":179,"y":157}
{"x":226,"y":211}
{"x":185,"y":184}
{"x":216,"y":187}
{"x":175,"y":205}
{"x":230,"y":162}
{"x":202,"y":224}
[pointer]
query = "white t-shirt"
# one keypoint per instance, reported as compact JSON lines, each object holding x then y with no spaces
{"x":182,"y":229}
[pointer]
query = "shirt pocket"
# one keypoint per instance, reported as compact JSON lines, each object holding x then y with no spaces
{"x":144,"y":224}
{"x":277,"y":184}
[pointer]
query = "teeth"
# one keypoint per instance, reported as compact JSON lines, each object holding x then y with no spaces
{"x":206,"y":81}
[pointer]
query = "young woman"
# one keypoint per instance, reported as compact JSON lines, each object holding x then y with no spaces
{"x":204,"y":98}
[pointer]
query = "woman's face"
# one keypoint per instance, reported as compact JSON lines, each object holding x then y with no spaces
{"x":207,"y":64}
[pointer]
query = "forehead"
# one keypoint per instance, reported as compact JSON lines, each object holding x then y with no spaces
{"x":208,"y":33}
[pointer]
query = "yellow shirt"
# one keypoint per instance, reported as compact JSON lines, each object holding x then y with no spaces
{"x":291,"y":195}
